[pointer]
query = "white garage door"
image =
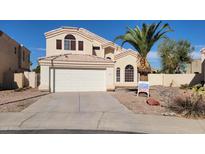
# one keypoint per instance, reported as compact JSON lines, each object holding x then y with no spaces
{"x":68,"y":80}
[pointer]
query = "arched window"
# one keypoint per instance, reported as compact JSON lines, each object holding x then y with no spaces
{"x":118,"y":74}
{"x":69,"y":42}
{"x":129,"y":73}
{"x":108,"y":58}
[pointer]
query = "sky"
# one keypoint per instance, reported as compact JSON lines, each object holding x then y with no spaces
{"x":30,"y":33}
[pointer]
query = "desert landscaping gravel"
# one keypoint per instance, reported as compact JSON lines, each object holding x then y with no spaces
{"x":16,"y":101}
{"x":138,"y":104}
{"x":18,"y":106}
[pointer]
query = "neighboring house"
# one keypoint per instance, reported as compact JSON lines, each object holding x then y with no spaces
{"x":203,"y":62}
{"x":194,"y":67}
{"x":79,"y":60}
{"x":14,"y":57}
{"x":197,"y":65}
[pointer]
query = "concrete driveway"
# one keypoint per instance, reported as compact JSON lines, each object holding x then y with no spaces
{"x":77,"y":102}
{"x":71,"y":111}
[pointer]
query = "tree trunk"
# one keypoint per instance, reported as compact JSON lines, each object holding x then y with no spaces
{"x":144,"y":69}
{"x":143,"y":63}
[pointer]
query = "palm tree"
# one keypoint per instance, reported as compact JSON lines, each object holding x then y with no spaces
{"x":143,"y":40}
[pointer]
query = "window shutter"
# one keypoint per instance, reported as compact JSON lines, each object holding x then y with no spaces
{"x":58,"y":44}
{"x":80,"y":45}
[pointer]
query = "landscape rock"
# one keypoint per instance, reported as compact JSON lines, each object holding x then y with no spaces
{"x":153,"y":102}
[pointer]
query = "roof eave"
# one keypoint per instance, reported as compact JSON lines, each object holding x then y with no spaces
{"x":75,"y":63}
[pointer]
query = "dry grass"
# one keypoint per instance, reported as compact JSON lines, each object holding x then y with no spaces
{"x":18,"y":106}
{"x":188,"y":105}
{"x":16,"y":101}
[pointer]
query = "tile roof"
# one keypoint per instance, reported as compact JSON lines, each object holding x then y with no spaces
{"x":76,"y":58}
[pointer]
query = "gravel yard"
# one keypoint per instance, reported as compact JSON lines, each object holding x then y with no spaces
{"x":138,"y":104}
{"x":16,"y":101}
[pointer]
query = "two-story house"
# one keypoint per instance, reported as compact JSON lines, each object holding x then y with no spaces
{"x":79,"y":60}
{"x":14,"y":57}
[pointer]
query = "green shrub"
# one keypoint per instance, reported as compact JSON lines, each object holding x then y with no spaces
{"x":197,"y":86}
{"x":190,"y":106}
{"x":199,"y":89}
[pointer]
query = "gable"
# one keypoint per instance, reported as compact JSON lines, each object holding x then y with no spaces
{"x":127,"y":57}
{"x":62,"y":34}
{"x":74,"y":30}
{"x":126,"y":53}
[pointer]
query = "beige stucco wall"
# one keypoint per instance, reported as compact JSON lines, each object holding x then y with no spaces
{"x":25,"y":63}
{"x":44,"y":78}
{"x":194,"y":67}
{"x":203,"y":62}
{"x":19,"y":80}
{"x":176,"y":80}
{"x":10,"y":58}
{"x":156,"y":79}
{"x":30,"y":79}
{"x":122,"y":63}
{"x":99,"y":53}
{"x":88,"y":45}
{"x":110,"y":83}
{"x":26,"y":79}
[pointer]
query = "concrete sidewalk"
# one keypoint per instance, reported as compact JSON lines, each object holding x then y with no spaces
{"x":93,"y":111}
{"x":100,"y":121}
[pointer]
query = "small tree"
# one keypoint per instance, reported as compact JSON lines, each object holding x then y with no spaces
{"x":37,"y":69}
{"x":175,"y":55}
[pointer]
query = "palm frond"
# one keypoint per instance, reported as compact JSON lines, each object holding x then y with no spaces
{"x":143,"y":39}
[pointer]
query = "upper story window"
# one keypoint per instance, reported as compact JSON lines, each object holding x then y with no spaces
{"x":58,"y":44}
{"x":24,"y":55}
{"x":80,"y":45}
{"x":96,"y":48}
{"x":69,"y":42}
{"x":15,"y":50}
{"x":28,"y":57}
